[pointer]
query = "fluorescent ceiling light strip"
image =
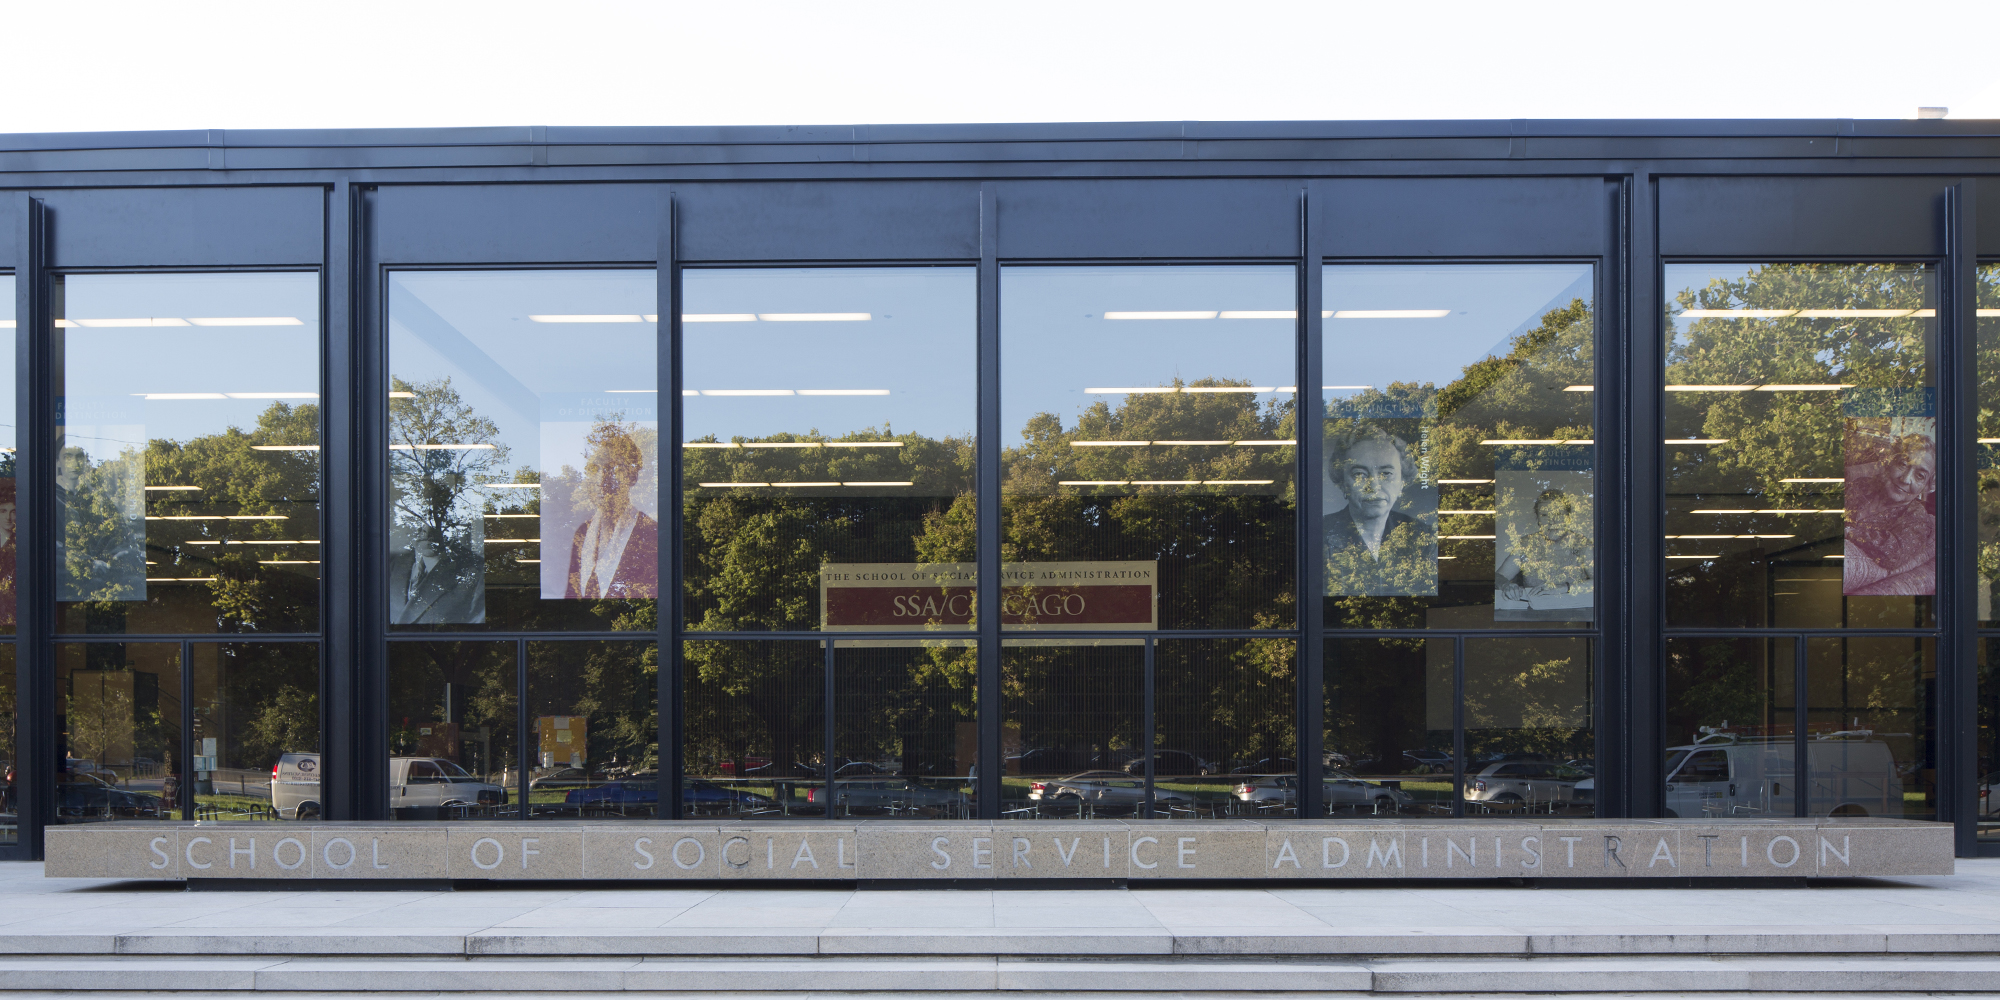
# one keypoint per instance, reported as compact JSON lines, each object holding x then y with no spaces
{"x":402,"y":395}
{"x":1166,"y":482}
{"x":815,"y":317}
{"x":173,"y":487}
{"x":1093,"y":482}
{"x":1710,"y":388}
{"x":1189,"y":443}
{"x":510,"y":486}
{"x":272,"y":395}
{"x":1165,"y":314}
{"x":1989,"y":313}
{"x":1735,"y":313}
{"x":1231,"y":388}
{"x":6,"y":324}
{"x":631,"y":391}
{"x":744,"y":392}
{"x":1259,"y":314}
{"x":1468,"y":512}
{"x":715,"y":486}
{"x":1537,"y":441}
{"x":783,"y":444}
{"x":284,"y":447}
{"x":864,"y":444}
{"x":1259,"y":444}
{"x":1579,"y":388}
{"x":1165,"y":388}
{"x":843,"y":392}
{"x":1109,"y":444}
{"x":1711,"y":556}
{"x":513,"y":541}
{"x":245,"y":321}
{"x":879,"y":484}
{"x":1803,"y":388}
{"x":718,"y":317}
{"x":510,"y":515}
{"x":1467,"y":538}
{"x":1803,"y":480}
{"x":181,"y":395}
{"x":1855,"y":313}
{"x":287,"y":562}
{"x":1989,"y":441}
{"x":1391,"y":313}
{"x":528,"y":562}
{"x":441,"y":447}
{"x":115,"y":324}
{"x":805,"y":484}
{"x":1463,"y":482}
{"x":1834,"y":557}
{"x":1347,"y":387}
{"x":711,"y":444}
{"x":589,"y":318}
{"x":1238,"y":482}
{"x":1697,"y":441}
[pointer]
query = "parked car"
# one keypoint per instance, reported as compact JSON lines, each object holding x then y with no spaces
{"x":295,"y":786}
{"x":1849,"y":774}
{"x":892,"y":796}
{"x":1174,"y":762}
{"x":1342,"y":791}
{"x":1523,"y":781}
{"x":1108,"y":790}
{"x":643,"y":791}
{"x":83,"y":795}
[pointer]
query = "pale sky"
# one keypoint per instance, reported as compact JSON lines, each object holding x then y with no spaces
{"x":118,"y":65}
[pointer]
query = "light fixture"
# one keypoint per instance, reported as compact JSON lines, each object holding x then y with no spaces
{"x":143,"y":321}
{"x":180,"y":579}
{"x":1091,"y":482}
{"x":510,"y":515}
{"x":1856,"y":313}
{"x":441,"y":447}
{"x":711,"y":444}
{"x":173,"y":487}
{"x":730,"y":485}
{"x":843,"y":392}
{"x":245,"y":321}
{"x":1190,"y":443}
{"x":718,"y":317}
{"x":513,"y":541}
{"x":287,"y":562}
{"x":1697,"y":441}
{"x":511,"y":486}
{"x":864,"y":444}
{"x":1462,"y":482}
{"x":1803,"y":480}
{"x":1803,"y":388}
{"x":1113,"y":392}
{"x":1165,"y":482}
{"x":1167,"y":314}
{"x":1468,"y":512}
{"x":1711,"y":556}
{"x":742,"y":392}
{"x":529,"y":562}
{"x":1467,"y":538}
{"x":402,"y":395}
{"x":1735,"y":313}
{"x":284,"y":447}
{"x":814,"y":317}
{"x":1537,"y":441}
{"x":1989,"y":440}
{"x":879,"y":484}
{"x":590,"y":318}
{"x":1238,"y":482}
{"x":783,"y":444}
{"x":805,"y":484}
{"x":1579,"y":388}
{"x":1834,"y":557}
{"x":1983,"y":314}
{"x":1391,"y":313}
{"x":1715,"y":537}
{"x":272,"y":395}
{"x":1775,"y":510}
{"x":629,"y":392}
{"x":180,"y":395}
{"x":1260,"y":444}
{"x":1710,"y":388}
{"x":1109,"y":444}
{"x":1259,"y":314}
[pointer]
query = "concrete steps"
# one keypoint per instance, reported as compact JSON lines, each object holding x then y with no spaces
{"x":794,"y":976}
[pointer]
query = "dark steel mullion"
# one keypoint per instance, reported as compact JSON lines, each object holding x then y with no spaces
{"x":368,"y":767}
{"x":1610,"y":681}
{"x":1957,"y":684}
{"x":523,"y":752}
{"x":1801,"y":802}
{"x":1634,"y":698}
{"x":1457,"y":726}
{"x":1309,"y":419}
{"x":188,"y":745}
{"x":667,"y":616}
{"x":36,"y":748}
{"x":987,"y":789}
{"x":827,"y":746}
{"x":340,"y":391}
{"x":1151,"y":700}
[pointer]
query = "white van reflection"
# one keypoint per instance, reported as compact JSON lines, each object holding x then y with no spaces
{"x":419,"y":788}
{"x":1849,"y":773}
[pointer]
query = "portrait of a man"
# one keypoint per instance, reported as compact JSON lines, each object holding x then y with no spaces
{"x":1891,"y":496}
{"x":1378,"y":542}
{"x":432,"y":583}
{"x":1544,"y":570}
{"x":614,"y":553}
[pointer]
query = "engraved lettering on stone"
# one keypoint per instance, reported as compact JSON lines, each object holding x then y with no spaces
{"x":739,"y":865}
{"x":1074,"y":843}
{"x":1285,"y":854}
{"x":1771,"y":851}
{"x":1470,"y":852}
{"x":1661,"y":853}
{"x":1021,"y":853}
{"x":805,"y":854}
{"x":326,"y":853}
{"x":978,"y":852}
{"x":937,"y":848}
{"x":1326,"y":852}
{"x":1375,"y":853}
{"x":840,"y":853}
{"x":639,"y":847}
{"x":1708,"y":849}
{"x":1185,"y":852}
{"x":525,"y":852}
{"x":1534,"y":854}
{"x":375,"y":852}
{"x":1611,"y":846}
{"x":165,"y":858}
{"x":278,"y":856}
{"x":499,"y":854}
{"x":189,"y":853}
{"x":1570,"y":843}
{"x":1136,"y":863}
{"x":700,"y":854}
{"x":249,"y":852}
{"x":1826,"y":846}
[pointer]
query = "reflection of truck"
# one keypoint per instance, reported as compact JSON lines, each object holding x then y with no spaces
{"x":1849,"y":774}
{"x":419,"y":787}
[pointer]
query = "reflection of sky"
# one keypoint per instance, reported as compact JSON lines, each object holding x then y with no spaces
{"x":474,"y":327}
{"x":1490,"y":304}
{"x":1055,"y":341}
{"x":1682,"y":277}
{"x":123,"y":364}
{"x":919,"y":342}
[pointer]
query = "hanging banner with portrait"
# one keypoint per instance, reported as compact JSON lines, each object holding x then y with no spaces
{"x":101,"y":498}
{"x":1379,"y":521}
{"x":1891,"y":493}
{"x":600,"y":507}
{"x":1544,"y":537}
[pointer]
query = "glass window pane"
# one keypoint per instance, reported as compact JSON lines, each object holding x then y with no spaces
{"x":523,"y":450}
{"x":1870,"y":748}
{"x":187,"y":474}
{"x":1151,"y":481}
{"x":1801,"y":445}
{"x":119,"y":706}
{"x":1388,"y":727}
{"x":906,"y":729}
{"x":593,"y":730}
{"x":1226,"y":727}
{"x":1073,"y":723}
{"x":453,"y":731}
{"x":1530,"y":733}
{"x":828,"y":455}
{"x":1987,"y":456}
{"x":255,"y":730}
{"x":1988,"y":764}
{"x":1730,"y":726}
{"x":754,"y":725}
{"x":7,"y":547}
{"x":10,"y":803}
{"x":1460,"y":468}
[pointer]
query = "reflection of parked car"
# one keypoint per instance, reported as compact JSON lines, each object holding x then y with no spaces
{"x":860,"y":769}
{"x":553,"y":778}
{"x":1517,"y":781}
{"x":643,"y":791}
{"x":1850,"y":774}
{"x":1269,"y":765}
{"x":1342,"y":790}
{"x":82,"y":795}
{"x":893,"y":795}
{"x":1176,"y":762}
{"x":1109,"y":790}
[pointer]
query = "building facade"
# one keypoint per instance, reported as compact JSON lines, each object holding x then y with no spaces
{"x":1648,"y":473}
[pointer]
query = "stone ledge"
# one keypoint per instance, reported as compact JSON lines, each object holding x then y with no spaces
{"x":1136,"y":850}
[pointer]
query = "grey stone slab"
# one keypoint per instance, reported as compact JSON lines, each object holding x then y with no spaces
{"x":447,"y":975}
{"x":1705,"y":941}
{"x":626,"y":852}
{"x":130,"y":974}
{"x":1378,"y":941}
{"x":1015,"y":974}
{"x":790,"y":851}
{"x":258,"y":941}
{"x":515,"y":851}
{"x":1168,"y":849}
{"x":390,"y":851}
{"x":20,"y":943}
{"x":1883,"y":847}
{"x":991,"y":941}
{"x":1738,"y":848}
{"x":842,"y":975}
{"x":1074,"y":849}
{"x":653,"y":941}
{"x":951,"y":850}
{"x":1866,"y":974}
{"x":1555,"y":976}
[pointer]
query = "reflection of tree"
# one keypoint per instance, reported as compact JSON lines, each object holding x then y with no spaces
{"x":430,"y":479}
{"x":102,"y":521}
{"x":100,"y":715}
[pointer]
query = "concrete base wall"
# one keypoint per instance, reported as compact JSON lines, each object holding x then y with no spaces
{"x":809,"y":850}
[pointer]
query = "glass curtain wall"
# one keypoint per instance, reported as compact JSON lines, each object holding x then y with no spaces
{"x":827,"y":486}
{"x":524,"y":477}
{"x":186,"y":503}
{"x":1459,"y":496}
{"x":10,"y":808}
{"x":1987,"y":464}
{"x":1800,"y":494}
